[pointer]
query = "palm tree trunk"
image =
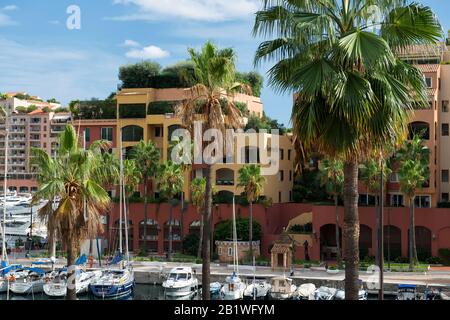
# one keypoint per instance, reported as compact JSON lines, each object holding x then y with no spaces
{"x":250,"y":230}
{"x":377,"y":212}
{"x":338,"y":245}
{"x":412,"y":236}
{"x":206,"y":247}
{"x":170,"y":232}
{"x":145,"y":216}
{"x":52,"y":247}
{"x":71,"y":286}
{"x":351,"y":229}
{"x":199,"y":251}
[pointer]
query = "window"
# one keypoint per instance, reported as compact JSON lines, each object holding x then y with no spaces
{"x":87,"y":134}
{"x":289,"y":154}
{"x":281,"y":154}
{"x":132,"y":133}
{"x":444,"y":176}
{"x":444,"y":105}
{"x":290,"y":196}
{"x":366,"y":199}
{"x":107,"y":134}
{"x":158,"y":132}
{"x":290,"y":175}
{"x":281,"y":175}
{"x":444,"y":197}
{"x":220,"y":251}
{"x":393,"y":177}
{"x":445,"y":129}
{"x":429,"y":82}
{"x":230,"y":251}
{"x":396,"y":200}
{"x":422,"y":201}
{"x":279,"y":196}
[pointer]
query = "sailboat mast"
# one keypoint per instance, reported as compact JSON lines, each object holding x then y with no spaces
{"x":125,"y":213}
{"x":5,"y":185}
{"x":120,"y":194}
{"x":235,"y":249}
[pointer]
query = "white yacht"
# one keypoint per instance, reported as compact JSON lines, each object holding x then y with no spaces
{"x":325,"y":293}
{"x":305,"y":292}
{"x":57,"y":287}
{"x":407,"y":292}
{"x":258,"y":289}
{"x":233,"y":288}
{"x":340,"y":295}
{"x":31,"y":281}
{"x":181,"y":282}
{"x":282,"y":288}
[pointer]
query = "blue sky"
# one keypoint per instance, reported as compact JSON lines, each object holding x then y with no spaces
{"x":40,"y":55}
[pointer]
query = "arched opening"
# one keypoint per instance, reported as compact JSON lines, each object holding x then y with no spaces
{"x":132,"y":133}
{"x":225,"y":177}
{"x":130,"y":235}
{"x":328,"y":246}
{"x":176,"y":235}
{"x":152,"y":229}
{"x":420,"y":128}
{"x":365,"y":240}
{"x":223,"y":196}
{"x":194,"y":227}
{"x":423,"y":243}
{"x":392,"y":242}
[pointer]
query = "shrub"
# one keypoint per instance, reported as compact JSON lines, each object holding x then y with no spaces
{"x":434,"y":260}
{"x":305,"y":228}
{"x":161,"y":107}
{"x":444,"y":254}
{"x":401,"y":260}
{"x":223,"y":230}
{"x":190,"y":244}
{"x":443,"y":204}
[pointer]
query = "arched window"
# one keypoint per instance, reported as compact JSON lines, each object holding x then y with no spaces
{"x":132,"y":133}
{"x":224,"y":177}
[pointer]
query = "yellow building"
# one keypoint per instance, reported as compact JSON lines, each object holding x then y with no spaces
{"x":147,"y":114}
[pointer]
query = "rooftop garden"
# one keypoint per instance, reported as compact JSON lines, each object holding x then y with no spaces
{"x":265,"y":123}
{"x":94,"y":108}
{"x":149,"y":74}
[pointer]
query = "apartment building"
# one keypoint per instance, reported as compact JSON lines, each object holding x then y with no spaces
{"x":434,"y":122}
{"x":37,"y":129}
{"x":147,"y":114}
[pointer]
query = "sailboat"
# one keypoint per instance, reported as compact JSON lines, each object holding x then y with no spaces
{"x":234,"y":288}
{"x":117,"y":283}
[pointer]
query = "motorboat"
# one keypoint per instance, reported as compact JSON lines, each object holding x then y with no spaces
{"x":57,"y":287}
{"x":214,"y":289}
{"x":407,"y":292}
{"x":340,"y":295}
{"x":180,"y":282}
{"x":233,"y":288}
{"x":282,"y":288}
{"x":305,"y":292}
{"x":258,"y":289}
{"x":113,"y":284}
{"x":325,"y":293}
{"x":5,"y":273}
{"x":30,"y":281}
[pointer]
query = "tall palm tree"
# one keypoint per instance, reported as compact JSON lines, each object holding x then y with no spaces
{"x":214,"y":75}
{"x":198,"y":187}
{"x":74,"y":178}
{"x":414,"y":171}
{"x":146,"y":155}
{"x":352,"y":92}
{"x":332,"y":177}
{"x":252,"y":181}
{"x":170,"y":181}
{"x":131,"y":178}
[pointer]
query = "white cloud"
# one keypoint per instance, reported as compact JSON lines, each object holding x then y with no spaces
{"x":10,"y":7}
{"x":150,"y":52}
{"x":131,"y":43}
{"x":200,"y":10}
{"x":6,"y":20}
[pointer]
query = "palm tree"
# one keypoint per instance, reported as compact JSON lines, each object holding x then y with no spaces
{"x":198,"y":187}
{"x":332,"y":177}
{"x":414,"y":171}
{"x":352,"y":93}
{"x":75,"y":178}
{"x":146,"y":155}
{"x":214,"y":75}
{"x":131,"y":178}
{"x":252,"y":181}
{"x":170,"y":182}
